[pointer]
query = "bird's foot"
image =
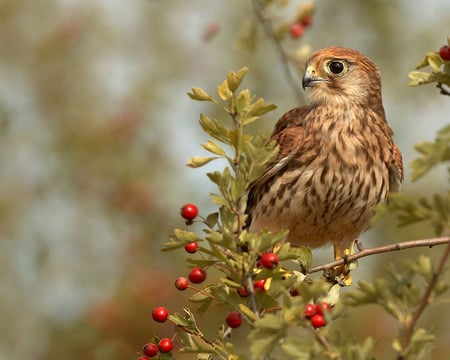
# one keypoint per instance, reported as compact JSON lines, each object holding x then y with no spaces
{"x":341,"y":273}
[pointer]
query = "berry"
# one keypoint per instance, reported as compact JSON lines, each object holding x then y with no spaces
{"x":160,"y":314}
{"x":444,"y":52}
{"x":297,"y":30}
{"x":242,"y":292}
{"x":234,"y":319}
{"x":306,"y":21}
{"x":318,"y":321}
{"x":189,"y":212}
{"x":323,"y":308}
{"x":142,"y":358}
{"x":259,"y":284}
{"x":269,"y":260}
{"x":165,"y":345}
{"x":294,"y":292}
{"x":150,"y":349}
{"x":197,"y":275}
{"x":310,"y":311}
{"x":191,"y":248}
{"x":181,"y":283}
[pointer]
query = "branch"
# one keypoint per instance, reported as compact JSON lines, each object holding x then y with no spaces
{"x":268,"y":29}
{"x":409,"y":331}
{"x":444,"y":91}
{"x":382,"y":249}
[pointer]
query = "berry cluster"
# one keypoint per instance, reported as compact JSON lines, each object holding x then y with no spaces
{"x":316,"y":314}
{"x":299,"y":27}
{"x":159,"y":314}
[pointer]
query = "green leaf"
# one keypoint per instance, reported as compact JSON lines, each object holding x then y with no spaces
{"x":224,"y":91}
{"x":211,"y":220}
{"x":198,"y":161}
{"x":199,"y":94}
{"x":235,"y":79}
{"x":212,"y":147}
{"x":213,"y":128}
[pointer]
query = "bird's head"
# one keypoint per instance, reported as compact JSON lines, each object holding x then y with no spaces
{"x":338,"y":75}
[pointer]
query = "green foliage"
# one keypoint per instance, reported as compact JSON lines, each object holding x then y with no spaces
{"x":277,"y":327}
{"x":440,"y":70}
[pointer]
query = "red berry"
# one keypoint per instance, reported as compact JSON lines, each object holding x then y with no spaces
{"x":269,"y":260}
{"x":189,"y":212}
{"x":181,"y":283}
{"x":197,"y":275}
{"x":150,"y":349}
{"x":310,"y":311}
{"x":259,"y":284}
{"x":306,"y":21}
{"x":165,"y":345}
{"x":297,"y":30}
{"x":444,"y":52}
{"x":318,"y":321}
{"x":294,"y":292}
{"x":234,"y":319}
{"x":242,"y":292}
{"x":142,"y":358}
{"x":160,"y":314}
{"x":191,"y":248}
{"x":323,"y":308}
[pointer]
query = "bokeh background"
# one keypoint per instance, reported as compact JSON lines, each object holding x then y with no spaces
{"x":95,"y":129}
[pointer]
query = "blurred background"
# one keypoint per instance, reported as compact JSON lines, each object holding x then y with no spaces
{"x":95,"y":129}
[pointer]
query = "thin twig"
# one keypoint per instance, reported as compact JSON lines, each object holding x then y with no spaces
{"x":409,"y":331}
{"x":324,"y":342}
{"x":379,"y":250}
{"x":270,"y":33}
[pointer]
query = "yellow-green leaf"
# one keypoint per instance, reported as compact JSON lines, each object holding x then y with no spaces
{"x":224,"y":91}
{"x":214,"y":148}
{"x":199,"y":94}
{"x":197,"y":161}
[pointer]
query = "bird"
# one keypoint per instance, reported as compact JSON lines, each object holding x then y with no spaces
{"x":336,"y":160}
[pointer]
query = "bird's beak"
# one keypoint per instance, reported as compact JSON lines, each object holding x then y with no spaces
{"x":311,"y":78}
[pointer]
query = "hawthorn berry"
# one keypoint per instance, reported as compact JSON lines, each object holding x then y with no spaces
{"x":142,"y":358}
{"x":189,"y":212}
{"x":297,"y":30}
{"x":165,"y":345}
{"x":294,"y":292}
{"x":242,"y":292}
{"x":259,"y":284}
{"x":192,"y":247}
{"x":306,"y":21}
{"x":323,"y":308}
{"x":309,"y":311}
{"x":197,"y":275}
{"x":181,"y":283}
{"x":234,"y":319}
{"x":318,"y":321}
{"x":160,"y":314}
{"x":444,"y":52}
{"x":270,"y":260}
{"x":150,"y":350}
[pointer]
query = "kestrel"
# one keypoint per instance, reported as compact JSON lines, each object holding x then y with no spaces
{"x":337,"y":158}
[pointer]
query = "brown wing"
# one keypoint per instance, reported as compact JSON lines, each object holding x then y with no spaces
{"x":288,"y":134}
{"x":395,"y":170}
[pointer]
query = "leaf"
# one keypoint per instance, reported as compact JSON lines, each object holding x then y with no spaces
{"x":198,"y":161}
{"x":234,"y":79}
{"x":213,"y":128}
{"x":249,"y":313}
{"x":435,"y":61}
{"x":211,"y":220}
{"x":199,"y":94}
{"x":214,"y":148}
{"x":224,"y":91}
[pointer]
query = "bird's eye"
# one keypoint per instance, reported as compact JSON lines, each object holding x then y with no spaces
{"x":336,"y":67}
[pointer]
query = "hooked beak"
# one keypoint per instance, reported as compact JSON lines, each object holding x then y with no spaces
{"x":311,"y":78}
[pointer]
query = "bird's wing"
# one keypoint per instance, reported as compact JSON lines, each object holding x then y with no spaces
{"x":289,"y":135}
{"x":395,"y":169}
